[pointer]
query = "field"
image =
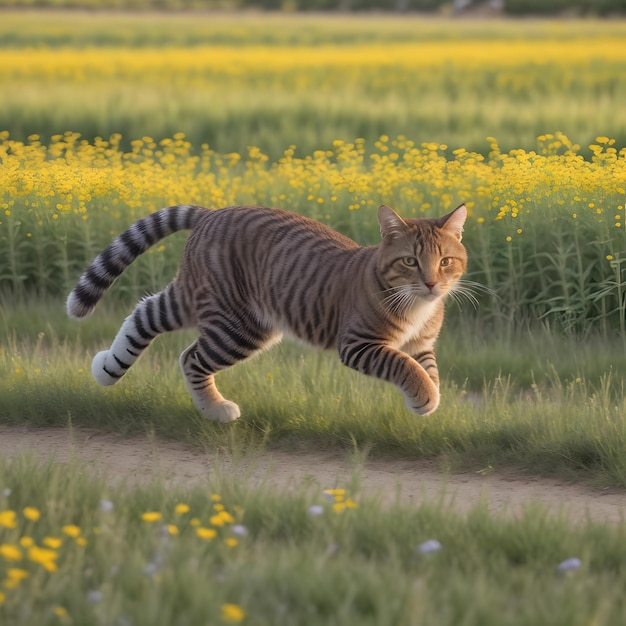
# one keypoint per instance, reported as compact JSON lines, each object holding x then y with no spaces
{"x":106,"y":117}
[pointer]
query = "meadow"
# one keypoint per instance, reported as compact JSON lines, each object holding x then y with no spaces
{"x":105,"y":118}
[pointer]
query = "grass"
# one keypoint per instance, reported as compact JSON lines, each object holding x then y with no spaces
{"x":537,"y":403}
{"x":272,"y":81}
{"x":151,"y":555}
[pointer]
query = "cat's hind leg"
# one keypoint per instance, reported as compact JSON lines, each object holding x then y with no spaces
{"x":152,"y":316}
{"x":224,"y":340}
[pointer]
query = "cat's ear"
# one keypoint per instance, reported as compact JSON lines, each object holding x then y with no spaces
{"x":454,"y":222}
{"x":391,"y":224}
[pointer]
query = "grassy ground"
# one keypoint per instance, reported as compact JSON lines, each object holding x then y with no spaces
{"x":534,"y":401}
{"x":76,"y":551}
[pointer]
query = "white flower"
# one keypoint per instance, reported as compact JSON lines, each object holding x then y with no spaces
{"x":569,"y":565}
{"x":315,"y":510}
{"x":430,"y":546}
{"x":106,"y":506}
{"x":6,"y":491}
{"x":239,"y":529}
{"x":94,"y":596}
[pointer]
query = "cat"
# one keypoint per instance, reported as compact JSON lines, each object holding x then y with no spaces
{"x":249,"y":274}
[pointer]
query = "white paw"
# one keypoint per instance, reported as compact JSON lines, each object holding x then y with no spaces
{"x":97,"y":369}
{"x":222,"y":412}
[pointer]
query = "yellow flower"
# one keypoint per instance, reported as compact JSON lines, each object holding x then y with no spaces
{"x":2,"y":596}
{"x":26,"y":541}
{"x":15,"y":575}
{"x":231,"y":542}
{"x":52,"y":542}
{"x":10,"y":552}
{"x":45,"y":558}
{"x":60,"y":612}
{"x":151,"y":516}
{"x":8,"y":519}
{"x":216,"y":520}
{"x":215,"y":497}
{"x":206,"y":533}
{"x":71,"y":530}
{"x":172,"y":529}
{"x":31,"y":513}
{"x":232,"y":613}
{"x":81,"y":541}
{"x":181,"y":509}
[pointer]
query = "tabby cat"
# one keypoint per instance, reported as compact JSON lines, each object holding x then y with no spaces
{"x":250,"y":274}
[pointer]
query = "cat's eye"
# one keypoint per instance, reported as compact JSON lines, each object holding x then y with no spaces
{"x":411,"y":261}
{"x":446,"y":262}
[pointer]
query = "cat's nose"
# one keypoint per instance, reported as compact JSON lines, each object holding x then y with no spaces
{"x":430,"y":285}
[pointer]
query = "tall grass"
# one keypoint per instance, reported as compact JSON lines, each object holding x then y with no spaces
{"x":76,"y":550}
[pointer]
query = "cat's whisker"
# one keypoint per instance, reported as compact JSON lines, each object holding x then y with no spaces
{"x":468,"y":290}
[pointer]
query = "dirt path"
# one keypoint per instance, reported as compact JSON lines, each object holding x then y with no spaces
{"x":141,"y":458}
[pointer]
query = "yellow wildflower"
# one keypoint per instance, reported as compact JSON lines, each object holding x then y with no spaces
{"x":206,"y":533}
{"x":8,"y":519}
{"x":232,"y":613}
{"x":44,"y":557}
{"x":181,"y":509}
{"x":10,"y":552}
{"x":71,"y":530}
{"x":31,"y":513}
{"x":151,"y":516}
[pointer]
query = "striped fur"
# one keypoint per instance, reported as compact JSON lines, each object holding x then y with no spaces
{"x":250,"y":274}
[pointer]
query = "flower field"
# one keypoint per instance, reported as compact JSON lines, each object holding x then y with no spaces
{"x":546,"y":233}
{"x":104,"y":120}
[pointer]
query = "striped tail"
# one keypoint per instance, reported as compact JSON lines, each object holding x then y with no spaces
{"x":122,"y":251}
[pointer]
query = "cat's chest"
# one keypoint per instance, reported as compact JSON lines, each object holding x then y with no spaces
{"x":412,"y":328}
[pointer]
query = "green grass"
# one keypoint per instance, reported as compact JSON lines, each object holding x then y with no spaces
{"x":310,"y":107}
{"x":359,"y":566}
{"x":535,"y":402}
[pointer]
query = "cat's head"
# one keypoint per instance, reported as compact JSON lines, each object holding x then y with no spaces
{"x":421,"y":257}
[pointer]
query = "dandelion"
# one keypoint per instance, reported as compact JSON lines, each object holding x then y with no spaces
{"x":15,"y":575}
{"x":8,"y":519}
{"x":181,"y":509}
{"x":31,"y":513}
{"x":172,"y":529}
{"x":232,"y":613}
{"x":231,"y":542}
{"x":44,"y":557}
{"x":151,"y":516}
{"x":71,"y":530}
{"x":10,"y":552}
{"x":26,"y":541}
{"x":206,"y":533}
{"x":60,"y":612}
{"x":53,"y":543}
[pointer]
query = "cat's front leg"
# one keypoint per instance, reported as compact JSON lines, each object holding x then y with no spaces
{"x":420,"y":390}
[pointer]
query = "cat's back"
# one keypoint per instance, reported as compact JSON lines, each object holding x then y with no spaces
{"x":253,"y":225}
